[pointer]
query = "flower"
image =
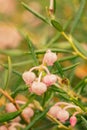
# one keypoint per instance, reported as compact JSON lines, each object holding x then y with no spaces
{"x":28,"y":113}
{"x":49,"y":79}
{"x":3,"y":127}
{"x":12,"y":128}
{"x":9,"y":36}
{"x":54,"y":110}
{"x":49,"y":58}
{"x":7,"y":7}
{"x":73,"y":121}
{"x":28,"y":77}
{"x":11,"y":108}
{"x":38,"y":88}
{"x":63,"y":115}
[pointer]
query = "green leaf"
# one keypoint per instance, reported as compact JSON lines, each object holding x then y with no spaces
{"x":19,"y":89}
{"x":13,"y":53}
{"x":10,"y":52}
{"x":59,"y":68}
{"x":67,"y":68}
{"x":67,"y":58}
{"x":8,"y":73}
{"x":78,"y":15}
{"x":65,"y":95}
{"x":46,"y":126}
{"x":37,"y":118}
{"x":30,"y":45}
{"x":78,"y":103}
{"x":84,"y":122}
{"x":70,"y":67}
{"x":56,"y":89}
{"x":54,"y":6}
{"x":42,"y":51}
{"x":57,"y":25}
{"x":79,"y":47}
{"x":13,"y":71}
{"x":81,"y":85}
{"x":57,"y":36}
{"x":35,"y":13}
{"x":23,"y":63}
{"x":8,"y":116}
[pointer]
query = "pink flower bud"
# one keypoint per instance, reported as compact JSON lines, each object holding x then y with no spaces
{"x":28,"y":77}
{"x":12,"y":128}
{"x":38,"y":88}
{"x":17,"y":119}
{"x":63,"y":115}
{"x":11,"y":108}
{"x":49,"y":58}
{"x":50,"y":79}
{"x":54,"y":110}
{"x":73,"y":121}
{"x":28,"y":113}
{"x":3,"y":127}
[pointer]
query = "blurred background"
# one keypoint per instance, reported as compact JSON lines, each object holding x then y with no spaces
{"x":15,"y":20}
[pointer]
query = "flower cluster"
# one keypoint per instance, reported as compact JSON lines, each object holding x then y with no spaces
{"x":60,"y":112}
{"x":40,"y":84}
{"x":27,"y":114}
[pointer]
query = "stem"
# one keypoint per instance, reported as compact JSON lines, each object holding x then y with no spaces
{"x":71,"y":106}
{"x":73,"y":46}
{"x":36,"y":67}
{"x":58,"y":122}
{"x":76,"y":113}
{"x":72,"y":98}
{"x":51,"y":9}
{"x":51,"y":5}
{"x":20,"y":102}
{"x":17,"y":124}
{"x":39,"y":78}
{"x":46,"y":69}
{"x":13,"y":101}
{"x":61,"y":103}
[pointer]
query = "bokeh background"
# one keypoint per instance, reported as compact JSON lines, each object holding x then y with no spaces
{"x":15,"y":20}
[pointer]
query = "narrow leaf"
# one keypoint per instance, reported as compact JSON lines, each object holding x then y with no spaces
{"x":18,"y":90}
{"x":57,"y":25}
{"x":30,"y":45}
{"x":80,"y":84}
{"x":37,"y":118}
{"x":15,"y":52}
{"x":67,"y":68}
{"x":13,"y":71}
{"x":78,"y":103}
{"x":8,"y":73}
{"x":57,"y":36}
{"x":9,"y":116}
{"x":54,"y":6}
{"x":79,"y":47}
{"x":59,"y":68}
{"x":70,"y":67}
{"x":35,"y":13}
{"x":67,"y":58}
{"x":78,"y":16}
{"x":84,"y":122}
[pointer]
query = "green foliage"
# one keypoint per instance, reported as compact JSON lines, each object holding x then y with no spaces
{"x":9,"y":116}
{"x":38,"y":117}
{"x":35,"y":13}
{"x":78,"y":15}
{"x":31,"y":48}
{"x":71,"y":55}
{"x":57,"y":25}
